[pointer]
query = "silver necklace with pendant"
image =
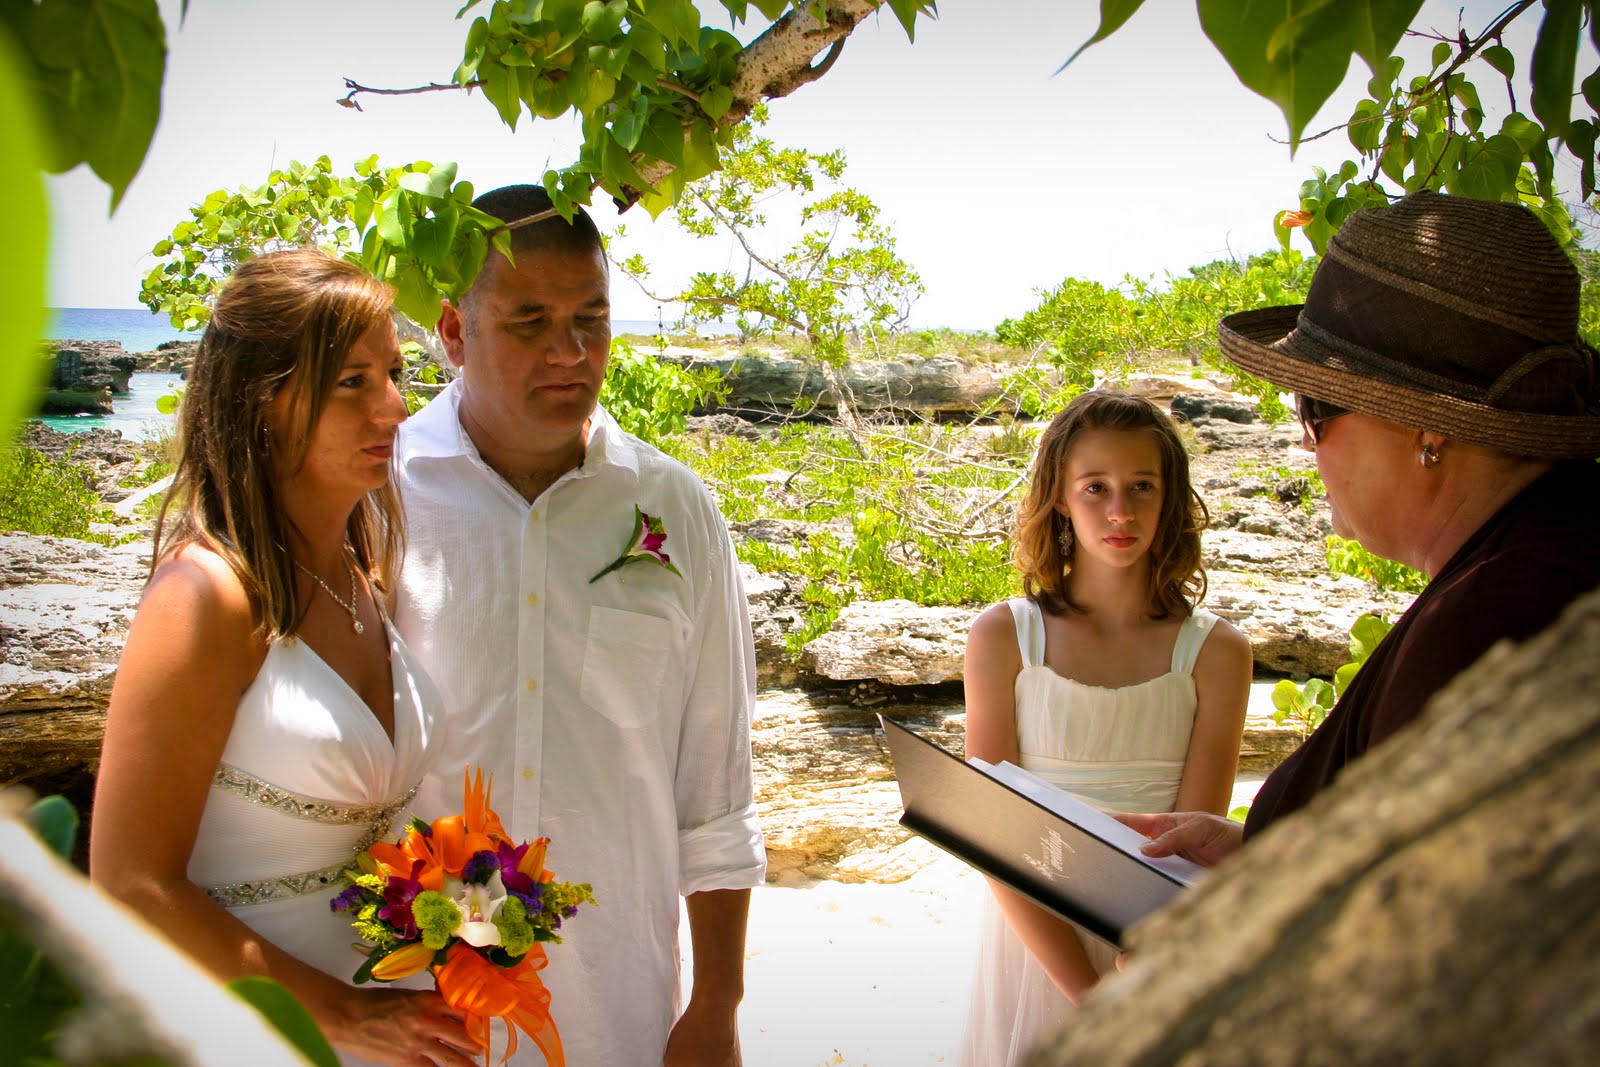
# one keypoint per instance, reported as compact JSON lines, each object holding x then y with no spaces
{"x":355,"y":623}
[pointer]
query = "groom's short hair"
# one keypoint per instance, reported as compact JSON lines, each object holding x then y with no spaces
{"x":512,"y":202}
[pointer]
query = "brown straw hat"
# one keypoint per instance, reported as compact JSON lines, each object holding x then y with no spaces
{"x":1441,"y":313}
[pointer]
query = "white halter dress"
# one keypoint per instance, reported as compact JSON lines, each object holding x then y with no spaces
{"x":308,"y":778}
{"x":1118,"y":749}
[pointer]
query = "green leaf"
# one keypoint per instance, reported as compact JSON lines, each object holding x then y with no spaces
{"x":279,"y":1007}
{"x":394,"y":219}
{"x":435,"y":184}
{"x":361,"y":210}
{"x":1343,"y":677}
{"x":1523,"y":130}
{"x":603,"y":21}
{"x":55,"y":821}
{"x":1580,"y":142}
{"x":1113,"y":13}
{"x":906,"y":12}
{"x":27,"y":233}
{"x":1381,"y":85}
{"x":1488,"y":171}
{"x":1379,"y":26}
{"x":1591,"y":90}
{"x":1500,"y":58}
{"x":1365,"y":634}
{"x":628,"y":126}
{"x":1555,"y":57}
{"x":1441,"y":54}
{"x":1294,"y":60}
{"x":1366,"y":127}
{"x":716,"y":100}
{"x":101,"y":65}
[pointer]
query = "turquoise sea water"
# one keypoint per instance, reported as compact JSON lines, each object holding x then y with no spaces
{"x":136,"y":328}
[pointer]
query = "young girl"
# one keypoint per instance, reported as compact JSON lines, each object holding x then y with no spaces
{"x":1105,"y":680}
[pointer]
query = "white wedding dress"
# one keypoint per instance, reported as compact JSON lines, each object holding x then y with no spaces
{"x":1118,"y":749}
{"x":308,"y":778}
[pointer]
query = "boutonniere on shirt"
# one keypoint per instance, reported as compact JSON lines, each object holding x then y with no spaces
{"x":647,"y":542}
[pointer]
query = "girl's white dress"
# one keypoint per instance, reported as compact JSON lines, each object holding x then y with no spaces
{"x":308,"y":778}
{"x":1118,"y":749}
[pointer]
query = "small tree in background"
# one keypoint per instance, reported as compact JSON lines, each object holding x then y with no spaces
{"x":839,"y":283}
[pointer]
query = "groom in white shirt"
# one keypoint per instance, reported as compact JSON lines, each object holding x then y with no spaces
{"x":614,"y":714}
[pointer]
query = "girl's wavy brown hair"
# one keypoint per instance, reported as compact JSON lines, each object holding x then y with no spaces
{"x":1177,"y":579}
{"x":282,"y":321}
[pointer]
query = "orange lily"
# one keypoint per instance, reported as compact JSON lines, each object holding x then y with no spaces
{"x":403,"y":962}
{"x":398,"y":860}
{"x":481,"y":992}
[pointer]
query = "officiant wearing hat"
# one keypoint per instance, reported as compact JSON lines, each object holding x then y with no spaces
{"x":1455,"y":416}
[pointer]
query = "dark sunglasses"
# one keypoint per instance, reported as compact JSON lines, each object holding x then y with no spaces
{"x":1314,"y":413}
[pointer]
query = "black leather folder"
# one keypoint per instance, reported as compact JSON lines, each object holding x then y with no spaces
{"x":1042,"y":842}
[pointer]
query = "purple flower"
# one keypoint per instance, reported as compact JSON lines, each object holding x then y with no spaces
{"x":348,"y":899}
{"x":479,"y":867}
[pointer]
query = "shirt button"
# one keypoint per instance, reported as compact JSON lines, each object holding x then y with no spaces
{"x":533,"y":598}
{"x":527,"y":774}
{"x":533,"y":516}
{"x":533,"y":683}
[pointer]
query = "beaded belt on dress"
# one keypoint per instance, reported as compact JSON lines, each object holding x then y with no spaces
{"x":378,"y":817}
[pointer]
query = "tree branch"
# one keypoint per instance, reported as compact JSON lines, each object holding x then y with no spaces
{"x":349,"y":99}
{"x":1468,"y":50}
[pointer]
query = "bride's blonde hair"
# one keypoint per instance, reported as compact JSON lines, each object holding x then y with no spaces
{"x":283,"y":321}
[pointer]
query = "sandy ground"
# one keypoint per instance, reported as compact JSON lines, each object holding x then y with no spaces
{"x":867,"y":975}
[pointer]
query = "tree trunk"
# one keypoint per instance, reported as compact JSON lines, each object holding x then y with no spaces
{"x":1437,"y":906}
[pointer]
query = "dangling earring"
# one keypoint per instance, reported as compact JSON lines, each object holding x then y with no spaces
{"x":1428,"y":457}
{"x":1064,"y":541}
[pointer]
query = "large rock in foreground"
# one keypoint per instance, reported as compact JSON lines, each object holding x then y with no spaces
{"x":64,"y":613}
{"x":1435,"y":907}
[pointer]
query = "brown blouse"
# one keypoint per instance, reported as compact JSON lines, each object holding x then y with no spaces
{"x":1510,"y":580}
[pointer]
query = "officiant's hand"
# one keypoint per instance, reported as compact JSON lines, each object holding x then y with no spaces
{"x":1197,"y":836}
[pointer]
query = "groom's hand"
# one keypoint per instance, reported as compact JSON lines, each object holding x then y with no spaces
{"x":704,"y":1037}
{"x":1197,"y":836}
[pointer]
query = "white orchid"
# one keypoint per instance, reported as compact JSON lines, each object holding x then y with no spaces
{"x":479,"y":904}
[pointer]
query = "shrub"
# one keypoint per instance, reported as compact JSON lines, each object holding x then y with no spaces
{"x":649,"y":398}
{"x":1349,"y":557}
{"x":40,"y":495}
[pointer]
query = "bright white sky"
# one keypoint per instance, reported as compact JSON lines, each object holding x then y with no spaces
{"x":999,"y":180}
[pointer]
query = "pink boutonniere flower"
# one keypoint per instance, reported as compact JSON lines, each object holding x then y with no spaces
{"x":647,"y":542}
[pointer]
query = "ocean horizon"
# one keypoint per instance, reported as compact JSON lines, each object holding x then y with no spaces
{"x":140,"y":330}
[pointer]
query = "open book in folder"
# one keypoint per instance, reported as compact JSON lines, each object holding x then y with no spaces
{"x":1046,"y":844}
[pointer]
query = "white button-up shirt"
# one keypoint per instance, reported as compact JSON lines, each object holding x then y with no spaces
{"x":614,"y":716}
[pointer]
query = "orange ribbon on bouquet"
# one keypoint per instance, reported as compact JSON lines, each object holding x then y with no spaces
{"x":481,"y":992}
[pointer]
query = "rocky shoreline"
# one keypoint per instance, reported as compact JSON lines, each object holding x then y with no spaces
{"x":825,"y":789}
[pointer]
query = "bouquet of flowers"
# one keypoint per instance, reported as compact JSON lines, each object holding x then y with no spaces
{"x":458,"y":898}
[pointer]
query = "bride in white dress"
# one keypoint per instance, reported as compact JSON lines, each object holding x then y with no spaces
{"x":1105,"y":680}
{"x":267,"y":723}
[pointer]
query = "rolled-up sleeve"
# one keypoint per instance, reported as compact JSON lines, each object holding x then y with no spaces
{"x":719,"y":837}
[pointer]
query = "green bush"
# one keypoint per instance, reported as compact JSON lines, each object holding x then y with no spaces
{"x":1349,"y":557}
{"x":906,"y":520}
{"x":40,"y":495}
{"x":650,"y":398}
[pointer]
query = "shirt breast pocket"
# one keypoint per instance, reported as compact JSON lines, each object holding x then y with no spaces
{"x":624,"y":664}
